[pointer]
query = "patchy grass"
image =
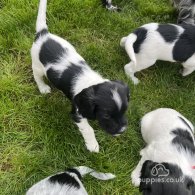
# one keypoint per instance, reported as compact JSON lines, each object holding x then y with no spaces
{"x":37,"y":136}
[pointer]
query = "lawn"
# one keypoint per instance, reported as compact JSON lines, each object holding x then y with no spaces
{"x":37,"y":136}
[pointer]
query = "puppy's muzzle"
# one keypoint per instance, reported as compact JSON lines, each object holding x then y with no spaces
{"x":120,"y":131}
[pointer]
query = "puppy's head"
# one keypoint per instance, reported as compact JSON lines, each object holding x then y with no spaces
{"x":106,"y":102}
{"x":164,"y":179}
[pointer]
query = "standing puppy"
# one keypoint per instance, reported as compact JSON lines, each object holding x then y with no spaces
{"x":186,"y":10}
{"x":152,"y":42}
{"x":66,"y":183}
{"x":167,"y":162}
{"x":92,"y":96}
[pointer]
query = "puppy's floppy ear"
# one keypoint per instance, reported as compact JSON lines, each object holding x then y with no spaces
{"x":146,"y":173}
{"x":85,"y":102}
{"x":190,"y":184}
{"x":126,"y":88}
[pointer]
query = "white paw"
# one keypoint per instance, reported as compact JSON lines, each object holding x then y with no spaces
{"x":135,"y":80}
{"x":123,"y":41}
{"x":93,"y":146}
{"x":113,"y":8}
{"x":185,"y":73}
{"x":45,"y":89}
{"x":135,"y":177}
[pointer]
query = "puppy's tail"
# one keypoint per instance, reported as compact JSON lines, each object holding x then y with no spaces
{"x":98,"y":175}
{"x":41,"y":18}
{"x":127,"y":43}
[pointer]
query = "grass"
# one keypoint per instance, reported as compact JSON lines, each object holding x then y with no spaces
{"x":37,"y":136}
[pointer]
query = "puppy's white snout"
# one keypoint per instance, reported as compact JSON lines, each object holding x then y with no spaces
{"x":122,"y":129}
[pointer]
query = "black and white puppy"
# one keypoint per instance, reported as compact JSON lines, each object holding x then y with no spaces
{"x":66,"y":183}
{"x":92,"y":96}
{"x":186,"y":9}
{"x":108,"y":5}
{"x":152,"y":42}
{"x":167,"y":162}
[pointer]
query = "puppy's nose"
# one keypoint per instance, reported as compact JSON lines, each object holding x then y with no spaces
{"x":120,"y":131}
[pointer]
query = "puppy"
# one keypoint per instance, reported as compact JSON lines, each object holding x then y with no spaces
{"x":108,"y":5}
{"x":66,"y":183}
{"x":92,"y":96}
{"x":152,"y":42}
{"x":167,"y":162}
{"x":186,"y":9}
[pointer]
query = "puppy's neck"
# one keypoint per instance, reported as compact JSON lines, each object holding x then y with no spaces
{"x":86,"y":80}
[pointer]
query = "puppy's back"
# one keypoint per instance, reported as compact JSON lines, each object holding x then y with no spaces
{"x":158,"y":124}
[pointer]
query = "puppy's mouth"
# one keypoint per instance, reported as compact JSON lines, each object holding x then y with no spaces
{"x":120,"y":131}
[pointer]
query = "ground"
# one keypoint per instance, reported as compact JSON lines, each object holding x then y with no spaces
{"x":37,"y":135}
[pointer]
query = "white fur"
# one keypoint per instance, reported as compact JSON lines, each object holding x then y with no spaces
{"x":156,"y":128}
{"x":117,"y":99}
{"x":87,"y":78}
{"x":152,"y":49}
{"x":45,"y":187}
{"x":88,"y":135}
{"x":41,"y":18}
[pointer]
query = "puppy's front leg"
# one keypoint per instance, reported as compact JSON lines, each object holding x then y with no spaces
{"x":88,"y":135}
{"x":135,"y":176}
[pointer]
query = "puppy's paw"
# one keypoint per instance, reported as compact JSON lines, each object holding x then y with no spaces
{"x":45,"y":89}
{"x":135,"y":80}
{"x":135,"y":177}
{"x":93,"y":146}
{"x":123,"y":41}
{"x":113,"y":8}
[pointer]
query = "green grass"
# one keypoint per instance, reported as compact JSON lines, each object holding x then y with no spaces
{"x":37,"y":135}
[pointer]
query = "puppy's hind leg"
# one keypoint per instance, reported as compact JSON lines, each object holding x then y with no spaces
{"x":123,"y":41}
{"x":141,"y":64}
{"x":38,"y":74}
{"x":130,"y":71}
{"x":188,"y":67}
{"x":187,"y":71}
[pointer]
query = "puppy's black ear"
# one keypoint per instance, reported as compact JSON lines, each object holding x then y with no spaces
{"x":85,"y":102}
{"x":146,"y":173}
{"x":190,"y":184}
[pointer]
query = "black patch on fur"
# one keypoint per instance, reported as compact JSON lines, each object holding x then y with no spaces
{"x":41,"y":33}
{"x":183,"y":140}
{"x":65,"y":178}
{"x":141,"y":36}
{"x":185,"y":122}
{"x":174,"y":186}
{"x":85,"y":102}
{"x":185,"y":46}
{"x":50,"y":52}
{"x":64,"y":81}
{"x":105,"y":2}
{"x":72,"y":170}
{"x":168,"y":32}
